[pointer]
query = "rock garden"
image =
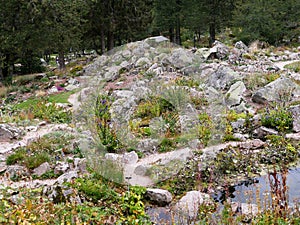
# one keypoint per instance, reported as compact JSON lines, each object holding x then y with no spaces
{"x":152,"y":133}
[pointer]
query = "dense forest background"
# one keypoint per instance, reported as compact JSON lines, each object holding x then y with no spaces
{"x":32,"y":29}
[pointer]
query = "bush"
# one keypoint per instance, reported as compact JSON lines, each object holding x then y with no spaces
{"x":278,"y":118}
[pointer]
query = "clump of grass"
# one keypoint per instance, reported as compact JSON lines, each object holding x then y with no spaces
{"x":33,"y":161}
{"x":295,"y":66}
{"x":16,"y":157}
{"x":278,"y":118}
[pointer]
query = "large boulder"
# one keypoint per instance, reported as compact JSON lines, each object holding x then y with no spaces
{"x":222,"y":78}
{"x":42,"y":169}
{"x":8,"y":132}
{"x":219,"y":51}
{"x":295,"y":110}
{"x":187,"y":208}
{"x":159,"y":196}
{"x":234,"y":95}
{"x":179,"y":58}
{"x":282,"y":89}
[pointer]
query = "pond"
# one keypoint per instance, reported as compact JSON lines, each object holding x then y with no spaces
{"x":259,"y":189}
{"x":248,"y":192}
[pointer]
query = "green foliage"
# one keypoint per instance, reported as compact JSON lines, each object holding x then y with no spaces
{"x":204,"y":128}
{"x":33,"y":161}
{"x":278,"y":118}
{"x":269,"y":21}
{"x":96,"y":190}
{"x":104,"y":130}
{"x":155,"y":107}
{"x":166,"y":145}
{"x":279,"y":151}
{"x":187,"y":81}
{"x":16,"y":157}
{"x":51,"y":112}
{"x":232,"y":116}
{"x":295,"y":66}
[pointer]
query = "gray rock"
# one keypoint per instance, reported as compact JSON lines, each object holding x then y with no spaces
{"x":130,"y":157}
{"x":148,"y":145}
{"x":262,"y":132}
{"x":112,"y":156}
{"x":112,"y":73}
{"x":152,"y":41}
{"x":3,"y":167}
{"x":16,"y":172}
{"x":238,"y":125}
{"x":245,"y":208}
{"x":61,"y":167}
{"x":141,"y":170}
{"x":219,"y":51}
{"x":187,"y":207}
{"x":241,"y":45}
{"x":43,"y":168}
{"x":60,"y":194}
{"x":8,"y":132}
{"x":67,"y":177}
{"x":179,"y":58}
{"x":293,"y":136}
{"x":282,"y":89}
{"x":223,"y":78}
{"x":80,"y":165}
{"x":203,"y":53}
{"x":159,"y":196}
{"x":143,"y":62}
{"x":73,"y":81}
{"x":234,"y":95}
{"x":296,"y":117}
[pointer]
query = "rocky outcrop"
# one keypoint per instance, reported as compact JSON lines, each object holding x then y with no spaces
{"x":187,"y":208}
{"x":159,"y":196}
{"x":8,"y":132}
{"x":281,"y":90}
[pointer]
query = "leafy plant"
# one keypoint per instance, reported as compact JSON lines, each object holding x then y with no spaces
{"x":204,"y":128}
{"x":166,"y":145}
{"x":104,"y":130}
{"x":278,"y":118}
{"x":16,"y":157}
{"x":33,"y":161}
{"x":295,"y":66}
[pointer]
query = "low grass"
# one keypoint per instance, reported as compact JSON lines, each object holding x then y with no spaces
{"x":295,"y":66}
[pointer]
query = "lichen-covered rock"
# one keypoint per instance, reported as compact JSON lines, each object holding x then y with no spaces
{"x":187,"y":208}
{"x":66,"y":177}
{"x":43,"y":168}
{"x":8,"y":132}
{"x":159,"y":196}
{"x":296,"y":117}
{"x":222,"y":78}
{"x":282,"y":89}
{"x":234,"y":95}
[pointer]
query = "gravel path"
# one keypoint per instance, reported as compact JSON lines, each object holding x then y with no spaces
{"x":282,"y":64}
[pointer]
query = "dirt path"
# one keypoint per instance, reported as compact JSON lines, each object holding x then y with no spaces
{"x":30,"y":136}
{"x":282,"y":64}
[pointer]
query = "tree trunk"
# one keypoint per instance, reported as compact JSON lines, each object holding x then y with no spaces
{"x":61,"y":60}
{"x":178,"y":38}
{"x":110,"y":40}
{"x":171,"y":34}
{"x":212,"y":33}
{"x":102,"y":41}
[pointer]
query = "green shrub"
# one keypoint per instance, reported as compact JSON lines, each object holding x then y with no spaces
{"x":51,"y":112}
{"x":36,"y":160}
{"x":295,"y":66}
{"x":106,"y":134}
{"x":16,"y":157}
{"x":166,"y":145}
{"x":278,"y":118}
